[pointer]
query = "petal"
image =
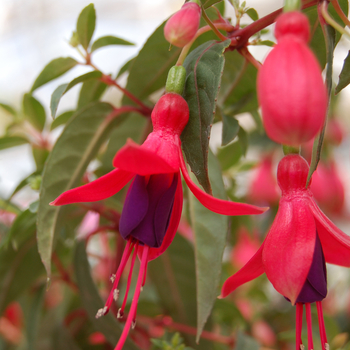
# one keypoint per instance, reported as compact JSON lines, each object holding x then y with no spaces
{"x":140,"y":160}
{"x":101,"y":188}
{"x":216,"y":205}
{"x":335,"y":243}
{"x":173,"y":224}
{"x":289,"y":247}
{"x":135,"y":206}
{"x":252,"y":269}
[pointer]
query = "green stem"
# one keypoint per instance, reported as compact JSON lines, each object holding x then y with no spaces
{"x":340,"y":12}
{"x":213,"y":27}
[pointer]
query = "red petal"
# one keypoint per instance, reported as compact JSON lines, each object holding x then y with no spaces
{"x":141,"y":160}
{"x":289,"y":247}
{"x":103,"y":187}
{"x":335,"y":243}
{"x":216,"y":205}
{"x":252,"y":269}
{"x":173,"y":224}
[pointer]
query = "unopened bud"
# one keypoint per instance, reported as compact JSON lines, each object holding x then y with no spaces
{"x":181,"y":28}
{"x":74,"y":40}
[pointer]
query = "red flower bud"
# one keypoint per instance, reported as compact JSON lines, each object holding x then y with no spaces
{"x":183,"y":25}
{"x":291,"y":91}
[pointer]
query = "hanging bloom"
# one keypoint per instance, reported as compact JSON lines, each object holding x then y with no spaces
{"x":294,"y":253}
{"x":181,"y":27}
{"x":291,"y":92}
{"x":153,"y":205}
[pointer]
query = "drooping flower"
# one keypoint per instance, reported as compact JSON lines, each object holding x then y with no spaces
{"x":293,"y":254}
{"x":181,"y":27}
{"x":291,"y":92}
{"x":153,"y":205}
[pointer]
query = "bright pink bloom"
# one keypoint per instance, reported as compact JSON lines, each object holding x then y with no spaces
{"x":328,"y":188}
{"x":294,"y":252}
{"x":181,"y":27}
{"x":153,"y":206}
{"x":263,"y":189}
{"x":291,"y":92}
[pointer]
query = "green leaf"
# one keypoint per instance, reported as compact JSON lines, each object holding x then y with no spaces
{"x":23,"y":183}
{"x":91,"y":91}
{"x":210,"y":230}
{"x":245,"y":342}
{"x":204,"y":67}
{"x":208,"y":3}
{"x":75,"y":148}
{"x":147,"y":75}
{"x":268,"y":43}
{"x":61,"y":119}
{"x":20,"y":263}
{"x":86,"y":25}
{"x":8,"y":109}
{"x":230,"y":129}
{"x":230,"y":155}
{"x":109,"y":40}
{"x":40,"y":155}
{"x":91,"y":300}
{"x":126,"y":67}
{"x":53,"y":70}
{"x":8,"y":206}
{"x":344,"y":77}
{"x":34,"y":111}
{"x":62,"y":339}
{"x":11,"y":141}
{"x":62,"y":89}
{"x":252,"y":14}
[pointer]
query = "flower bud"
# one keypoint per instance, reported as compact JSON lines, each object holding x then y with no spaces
{"x":290,"y":88}
{"x":181,"y":28}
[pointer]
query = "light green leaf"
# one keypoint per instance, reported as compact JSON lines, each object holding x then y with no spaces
{"x":8,"y":206}
{"x":210,"y":230}
{"x":62,"y":89}
{"x":91,"y":91}
{"x":230,"y":129}
{"x":11,"y":141}
{"x":204,"y":67}
{"x":34,"y":112}
{"x":61,"y":119}
{"x":252,"y":14}
{"x":208,"y":3}
{"x":268,"y":43}
{"x":8,"y":109}
{"x":76,"y":147}
{"x":86,"y":25}
{"x":109,"y":40}
{"x":91,"y":300}
{"x":230,"y":155}
{"x":53,"y":70}
{"x":344,"y":77}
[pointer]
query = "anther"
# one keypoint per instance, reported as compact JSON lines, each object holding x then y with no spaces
{"x":302,"y":347}
{"x":115,"y":294}
{"x":326,"y":345}
{"x":133,"y":324}
{"x":120,"y":313}
{"x":112,"y":277}
{"x":101,"y":312}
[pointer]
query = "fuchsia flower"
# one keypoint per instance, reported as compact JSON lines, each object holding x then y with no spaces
{"x":294,"y":253}
{"x":153,"y":205}
{"x":290,"y":88}
{"x":181,"y":27}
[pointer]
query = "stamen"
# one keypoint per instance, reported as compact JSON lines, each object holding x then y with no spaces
{"x":101,"y":312}
{"x":112,"y":277}
{"x":323,"y":334}
{"x":299,"y":324}
{"x":133,"y":324}
{"x":120,"y":313}
{"x":126,"y":254}
{"x":116,"y":294}
{"x":131,"y":314}
{"x":129,"y":278}
{"x":310,"y":344}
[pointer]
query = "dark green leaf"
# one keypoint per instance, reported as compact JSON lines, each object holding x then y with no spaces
{"x":210,"y":230}
{"x":243,"y":140}
{"x":34,"y":112}
{"x":252,"y":14}
{"x":62,"y":89}
{"x":20,"y":263}
{"x":109,"y":40}
{"x":91,"y":300}
{"x":8,"y":109}
{"x":91,"y":91}
{"x":245,"y":342}
{"x":204,"y":67}
{"x":208,"y":3}
{"x":23,"y":183}
{"x":126,"y":67}
{"x":53,"y":70}
{"x":61,"y":119}
{"x":11,"y":141}
{"x":344,"y":77}
{"x":73,"y":151}
{"x":230,"y":128}
{"x":62,"y":339}
{"x":40,"y":155}
{"x":86,"y":25}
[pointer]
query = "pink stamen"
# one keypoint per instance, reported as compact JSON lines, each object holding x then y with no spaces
{"x":145,"y":275}
{"x":321,"y":325}
{"x":299,"y":324}
{"x":121,"y":310}
{"x":310,"y":344}
{"x":126,"y":254}
{"x":132,"y":312}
